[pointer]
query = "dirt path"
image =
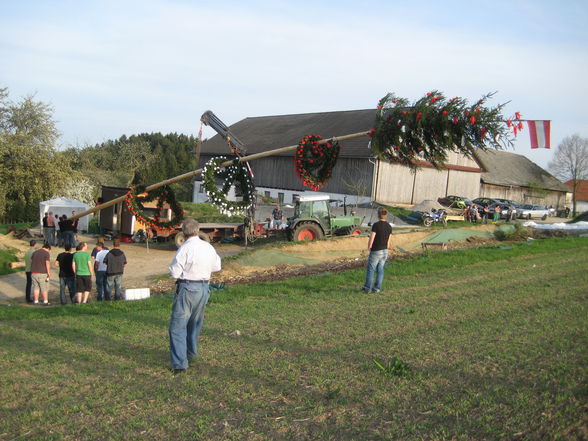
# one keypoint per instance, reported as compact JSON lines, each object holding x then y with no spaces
{"x":147,"y":266}
{"x":144,"y":266}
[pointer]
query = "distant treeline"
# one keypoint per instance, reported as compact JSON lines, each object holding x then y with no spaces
{"x":146,"y":158}
{"x":32,"y":169}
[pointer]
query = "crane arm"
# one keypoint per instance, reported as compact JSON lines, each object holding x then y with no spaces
{"x":211,"y":120}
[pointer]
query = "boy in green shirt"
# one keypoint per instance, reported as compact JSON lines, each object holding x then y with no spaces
{"x":83,"y":269}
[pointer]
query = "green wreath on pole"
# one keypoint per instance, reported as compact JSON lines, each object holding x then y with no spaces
{"x":433,"y":126}
{"x":235,"y":173}
{"x":136,"y":198}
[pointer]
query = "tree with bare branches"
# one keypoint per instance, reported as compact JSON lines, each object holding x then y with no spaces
{"x":570,"y":162}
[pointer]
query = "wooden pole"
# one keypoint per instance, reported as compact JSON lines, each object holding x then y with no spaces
{"x":224,"y":164}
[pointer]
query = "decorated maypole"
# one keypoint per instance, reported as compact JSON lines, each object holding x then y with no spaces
{"x":417,"y":134}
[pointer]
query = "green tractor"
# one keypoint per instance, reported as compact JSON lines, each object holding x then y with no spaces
{"x":313,"y":220}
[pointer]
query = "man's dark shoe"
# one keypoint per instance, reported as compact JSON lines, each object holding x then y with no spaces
{"x":179,"y":371}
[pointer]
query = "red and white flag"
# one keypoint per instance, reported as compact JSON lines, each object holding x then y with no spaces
{"x":539,"y":132}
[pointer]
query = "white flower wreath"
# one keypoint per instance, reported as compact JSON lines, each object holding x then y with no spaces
{"x":235,"y":173}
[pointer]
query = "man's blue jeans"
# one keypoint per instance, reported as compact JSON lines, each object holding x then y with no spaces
{"x":70,"y":283}
{"x":114,"y":283}
{"x":186,"y":322}
{"x":102,"y":286}
{"x":49,"y":234}
{"x":69,"y":238}
{"x":376,"y":262}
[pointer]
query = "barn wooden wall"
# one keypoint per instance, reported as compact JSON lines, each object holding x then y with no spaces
{"x":397,"y":184}
{"x":394,"y":183}
{"x":463,"y":184}
{"x":524,"y":195}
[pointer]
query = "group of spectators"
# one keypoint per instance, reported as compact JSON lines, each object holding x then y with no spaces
{"x":474,"y":214}
{"x":75,"y":272}
{"x":59,"y":230}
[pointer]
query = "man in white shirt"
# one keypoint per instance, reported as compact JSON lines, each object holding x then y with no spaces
{"x":193,"y":263}
{"x":100,"y":270}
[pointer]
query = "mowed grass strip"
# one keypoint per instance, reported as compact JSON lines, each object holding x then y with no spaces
{"x":495,"y":340}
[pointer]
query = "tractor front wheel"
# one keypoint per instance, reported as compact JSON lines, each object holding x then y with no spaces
{"x":350,"y":231}
{"x":306,"y":231}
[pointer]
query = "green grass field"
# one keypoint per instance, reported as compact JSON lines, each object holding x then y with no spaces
{"x":485,"y":344}
{"x":204,"y":212}
{"x":7,"y":256}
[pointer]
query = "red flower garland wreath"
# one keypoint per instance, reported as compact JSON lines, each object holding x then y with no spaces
{"x":165,"y":194}
{"x":314,"y":162}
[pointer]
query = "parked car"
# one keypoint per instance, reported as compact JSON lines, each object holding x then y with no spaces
{"x":530,"y":211}
{"x":509,"y":202}
{"x":483,"y":202}
{"x":480,"y":202}
{"x":454,"y":201}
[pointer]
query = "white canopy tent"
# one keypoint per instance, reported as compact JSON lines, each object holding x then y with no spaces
{"x":61,"y":206}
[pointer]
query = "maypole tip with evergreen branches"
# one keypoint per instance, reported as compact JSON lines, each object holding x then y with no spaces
{"x":433,"y":126}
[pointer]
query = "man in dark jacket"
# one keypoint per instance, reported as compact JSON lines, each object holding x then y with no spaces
{"x":67,"y":277}
{"x":67,"y":231}
{"x":115,"y":262}
{"x":378,"y":246}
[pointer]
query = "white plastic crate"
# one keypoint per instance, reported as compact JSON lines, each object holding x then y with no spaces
{"x":137,"y":293}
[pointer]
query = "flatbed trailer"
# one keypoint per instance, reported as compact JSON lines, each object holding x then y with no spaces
{"x":219,"y":231}
{"x":215,"y":232}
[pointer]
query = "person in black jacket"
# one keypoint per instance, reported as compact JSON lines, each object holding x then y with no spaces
{"x":115,"y":262}
{"x":66,"y":227}
{"x":378,"y":246}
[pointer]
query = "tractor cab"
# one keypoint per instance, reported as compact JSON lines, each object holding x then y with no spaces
{"x":315,"y":207}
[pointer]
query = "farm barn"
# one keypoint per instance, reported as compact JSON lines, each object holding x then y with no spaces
{"x":357,"y":175}
{"x":511,"y":176}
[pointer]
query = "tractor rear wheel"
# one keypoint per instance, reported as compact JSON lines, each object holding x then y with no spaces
{"x":306,"y":231}
{"x":179,"y":239}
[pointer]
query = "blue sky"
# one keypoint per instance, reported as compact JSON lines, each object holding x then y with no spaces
{"x":122,"y":67}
